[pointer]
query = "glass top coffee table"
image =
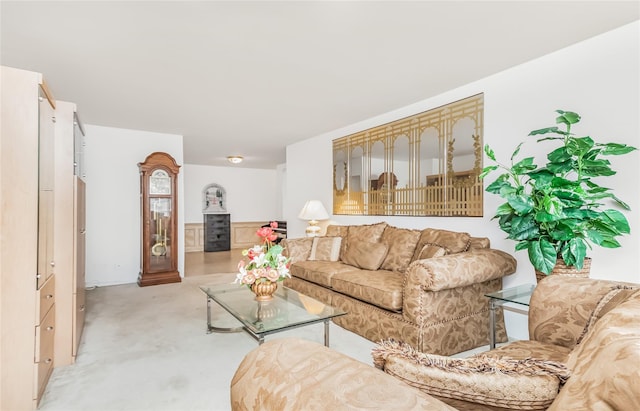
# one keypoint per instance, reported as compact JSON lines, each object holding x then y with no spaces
{"x":288,"y":309}
{"x":516,"y":295}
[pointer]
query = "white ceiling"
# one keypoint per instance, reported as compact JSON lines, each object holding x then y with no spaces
{"x":250,"y":78}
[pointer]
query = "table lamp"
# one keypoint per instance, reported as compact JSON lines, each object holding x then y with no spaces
{"x":313,"y":211}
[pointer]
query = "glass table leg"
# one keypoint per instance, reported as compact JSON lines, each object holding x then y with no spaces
{"x":492,"y":323}
{"x":212,"y":328}
{"x":326,"y":333}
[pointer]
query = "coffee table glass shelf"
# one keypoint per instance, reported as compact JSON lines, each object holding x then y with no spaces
{"x":519,"y":295}
{"x":288,"y":309}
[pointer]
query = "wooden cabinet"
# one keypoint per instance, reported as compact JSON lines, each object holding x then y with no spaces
{"x":217,"y":232}
{"x":69,"y":234}
{"x":27,"y":265}
{"x":79,"y":274}
{"x":159,"y":220}
{"x":79,"y":145}
{"x":44,"y":336}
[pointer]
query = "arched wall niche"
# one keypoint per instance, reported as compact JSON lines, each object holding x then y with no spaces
{"x":214,"y":199}
{"x":427,"y":164}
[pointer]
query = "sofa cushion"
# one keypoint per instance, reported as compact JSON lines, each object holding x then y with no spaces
{"x":431,"y":251}
{"x":521,"y":350}
{"x":380,"y":287}
{"x":454,"y":242}
{"x":604,"y":366}
{"x":365,"y":232}
{"x":319,"y":272}
{"x":553,"y":318}
{"x":402,"y":243}
{"x":479,"y":242}
{"x":362,"y":254}
{"x":325,"y":249}
{"x":339,"y":231}
{"x":608,"y":302}
{"x":299,"y":247}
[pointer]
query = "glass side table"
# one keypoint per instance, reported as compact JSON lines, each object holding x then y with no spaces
{"x":517,"y":295}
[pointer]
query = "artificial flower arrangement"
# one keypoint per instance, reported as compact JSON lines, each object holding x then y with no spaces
{"x":266,"y":262}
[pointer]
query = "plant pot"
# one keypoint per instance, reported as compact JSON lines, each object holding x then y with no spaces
{"x":562,"y":269}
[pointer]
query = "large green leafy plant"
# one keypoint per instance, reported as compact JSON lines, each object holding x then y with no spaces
{"x":558,"y":210}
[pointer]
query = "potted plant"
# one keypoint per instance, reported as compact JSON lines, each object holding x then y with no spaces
{"x":557,"y":211}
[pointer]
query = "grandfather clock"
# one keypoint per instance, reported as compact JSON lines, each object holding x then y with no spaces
{"x":159,"y":215}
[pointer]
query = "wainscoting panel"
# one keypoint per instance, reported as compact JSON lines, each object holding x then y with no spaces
{"x":243,"y":235}
{"x":193,"y":237}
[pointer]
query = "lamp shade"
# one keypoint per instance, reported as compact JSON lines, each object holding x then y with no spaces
{"x":313,"y":210}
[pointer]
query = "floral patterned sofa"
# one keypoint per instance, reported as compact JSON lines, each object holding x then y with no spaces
{"x":423,"y":287}
{"x":583,"y":355}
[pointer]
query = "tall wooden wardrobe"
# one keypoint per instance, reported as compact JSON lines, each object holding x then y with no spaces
{"x":36,"y":281}
{"x":69,"y":232}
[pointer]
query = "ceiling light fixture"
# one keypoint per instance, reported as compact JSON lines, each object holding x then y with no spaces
{"x":235,"y":159}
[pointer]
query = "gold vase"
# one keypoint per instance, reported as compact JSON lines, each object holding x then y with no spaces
{"x":264,"y":290}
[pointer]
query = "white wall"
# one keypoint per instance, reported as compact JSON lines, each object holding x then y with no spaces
{"x":597,"y":78}
{"x":113,"y":200}
{"x":281,"y":171}
{"x":252,"y":194}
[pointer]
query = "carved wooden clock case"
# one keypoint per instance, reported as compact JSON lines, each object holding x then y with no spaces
{"x":159,"y":215}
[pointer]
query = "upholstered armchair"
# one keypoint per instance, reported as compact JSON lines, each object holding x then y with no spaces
{"x":583,"y":354}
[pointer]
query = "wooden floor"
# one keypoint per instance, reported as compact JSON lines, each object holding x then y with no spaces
{"x":218,"y":262}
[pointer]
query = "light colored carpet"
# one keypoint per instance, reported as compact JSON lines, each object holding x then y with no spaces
{"x":147,"y":349}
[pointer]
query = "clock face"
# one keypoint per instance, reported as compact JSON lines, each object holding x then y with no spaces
{"x":159,"y":182}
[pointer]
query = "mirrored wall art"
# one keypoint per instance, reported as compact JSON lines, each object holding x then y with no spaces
{"x":427,"y":164}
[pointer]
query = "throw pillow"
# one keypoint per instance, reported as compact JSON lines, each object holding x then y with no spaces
{"x":452,"y":241}
{"x":479,"y":242}
{"x":339,"y":231}
{"x":498,"y":382}
{"x":607,"y":303}
{"x":297,"y":249}
{"x":401,"y":242}
{"x":365,"y":255}
{"x":366,"y":232}
{"x":325,"y":249}
{"x":431,"y":251}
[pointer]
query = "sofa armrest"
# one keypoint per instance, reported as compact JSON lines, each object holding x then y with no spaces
{"x":297,"y":249}
{"x":459,"y":270}
{"x":513,"y":384}
{"x":291,"y":374}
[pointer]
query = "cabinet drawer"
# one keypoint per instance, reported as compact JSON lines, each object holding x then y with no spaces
{"x":46,"y":298}
{"x":220,"y":233}
{"x":219,"y":220}
{"x":44,"y":337}
{"x":217,"y":225}
{"x":43,"y":358}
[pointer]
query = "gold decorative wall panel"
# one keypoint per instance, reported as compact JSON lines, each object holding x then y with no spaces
{"x":423,"y":165}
